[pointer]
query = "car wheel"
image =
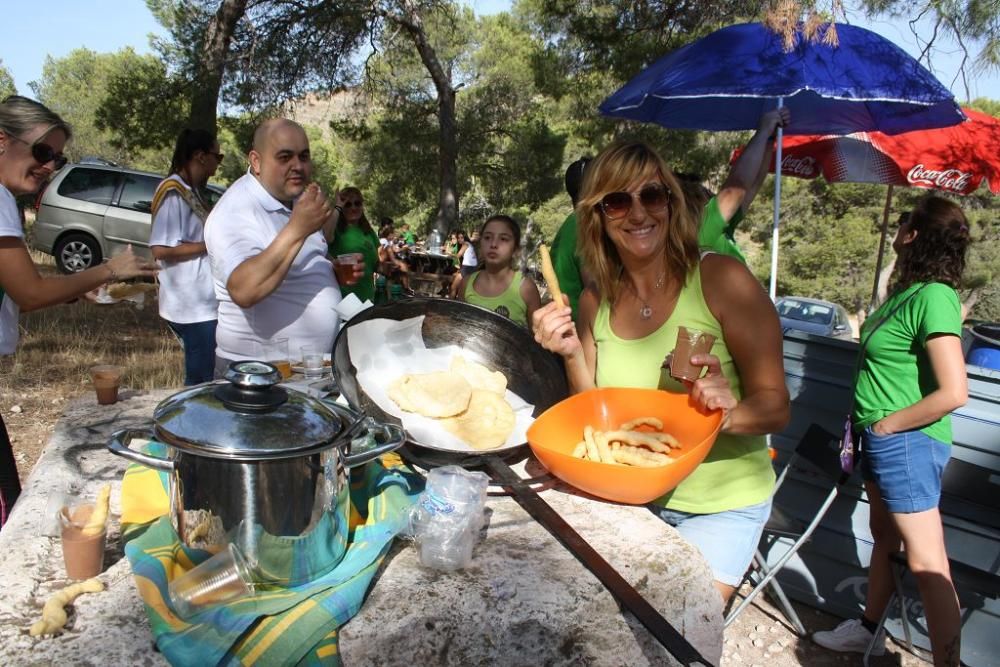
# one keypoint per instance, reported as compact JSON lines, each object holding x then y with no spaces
{"x":76,"y":252}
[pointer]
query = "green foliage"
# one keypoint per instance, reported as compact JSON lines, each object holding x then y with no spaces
{"x":7,"y":86}
{"x":76,"y":85}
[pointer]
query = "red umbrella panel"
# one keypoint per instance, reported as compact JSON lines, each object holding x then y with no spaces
{"x":955,"y":159}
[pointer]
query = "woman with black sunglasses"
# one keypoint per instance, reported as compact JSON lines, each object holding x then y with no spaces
{"x":354,"y":235}
{"x":639,"y":241}
{"x":32,"y":139}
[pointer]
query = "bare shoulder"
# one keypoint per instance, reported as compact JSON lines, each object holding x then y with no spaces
{"x":727,"y":283}
{"x":587,"y":306}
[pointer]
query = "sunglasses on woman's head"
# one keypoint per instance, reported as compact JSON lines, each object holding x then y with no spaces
{"x":654,"y":198}
{"x":43,"y":153}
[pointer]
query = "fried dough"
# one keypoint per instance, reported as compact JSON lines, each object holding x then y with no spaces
{"x":441,"y":394}
{"x":486,"y":423}
{"x":479,"y":376}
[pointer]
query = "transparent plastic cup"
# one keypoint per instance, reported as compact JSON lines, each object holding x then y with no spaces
{"x":690,"y":342}
{"x":223,"y":578}
{"x":275,"y":352}
{"x":344,"y":267}
{"x":312,"y":361}
{"x":82,"y":554}
{"x":106,"y":380}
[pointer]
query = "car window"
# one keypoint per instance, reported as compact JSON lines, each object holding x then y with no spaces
{"x":91,"y":185}
{"x":137,"y":192}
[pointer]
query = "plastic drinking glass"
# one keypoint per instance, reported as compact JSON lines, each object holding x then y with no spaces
{"x":344,"y":267}
{"x":106,"y":380}
{"x":312,"y":361}
{"x":83,"y":554}
{"x":223,"y":578}
{"x":690,"y":342}
{"x":275,"y":352}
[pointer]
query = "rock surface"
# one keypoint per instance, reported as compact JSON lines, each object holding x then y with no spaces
{"x":525,"y":599}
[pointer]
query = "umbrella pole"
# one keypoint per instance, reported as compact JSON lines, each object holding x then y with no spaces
{"x":881,"y":248}
{"x":773,"y":291}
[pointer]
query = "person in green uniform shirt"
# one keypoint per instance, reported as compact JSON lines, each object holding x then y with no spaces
{"x":721,"y":214}
{"x":639,"y":241}
{"x":565,"y":261}
{"x":910,"y":378}
{"x":409,"y":238}
{"x":354,"y":234}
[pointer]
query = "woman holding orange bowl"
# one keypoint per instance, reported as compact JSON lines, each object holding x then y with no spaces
{"x":638,"y":240}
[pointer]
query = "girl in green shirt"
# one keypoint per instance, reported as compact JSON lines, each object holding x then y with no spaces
{"x":498,"y":286}
{"x":911,"y":377}
{"x":354,"y":234}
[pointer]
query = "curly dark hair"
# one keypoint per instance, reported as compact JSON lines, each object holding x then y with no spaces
{"x":938,"y":252}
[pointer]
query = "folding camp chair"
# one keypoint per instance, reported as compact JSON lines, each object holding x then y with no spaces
{"x":819,"y":451}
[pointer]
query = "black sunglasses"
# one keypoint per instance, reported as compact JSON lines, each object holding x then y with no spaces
{"x":43,"y":153}
{"x":654,"y":198}
{"x":353,"y":204}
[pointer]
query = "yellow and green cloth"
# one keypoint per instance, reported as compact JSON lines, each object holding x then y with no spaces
{"x":278,"y":626}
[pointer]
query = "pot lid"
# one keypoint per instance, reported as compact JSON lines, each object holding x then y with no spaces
{"x":248,"y":417}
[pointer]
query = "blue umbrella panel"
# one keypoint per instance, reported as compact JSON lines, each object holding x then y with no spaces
{"x":729,"y":78}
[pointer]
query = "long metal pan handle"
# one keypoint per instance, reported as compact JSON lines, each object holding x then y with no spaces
{"x":389,"y":436}
{"x":119,"y":445}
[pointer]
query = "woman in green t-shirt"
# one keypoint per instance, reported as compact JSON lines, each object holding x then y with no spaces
{"x":354,"y":234}
{"x":639,"y":241}
{"x":911,"y":377}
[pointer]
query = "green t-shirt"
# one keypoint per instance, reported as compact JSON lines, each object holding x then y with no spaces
{"x":509,"y":304}
{"x":566,"y":263}
{"x":737,"y":471}
{"x":409,"y":238}
{"x":896,"y":371}
{"x":354,"y":239}
{"x":716,"y":234}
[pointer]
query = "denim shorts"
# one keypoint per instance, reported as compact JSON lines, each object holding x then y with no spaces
{"x":727,"y":540}
{"x":906,"y":467}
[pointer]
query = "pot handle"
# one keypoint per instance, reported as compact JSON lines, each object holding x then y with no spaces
{"x":388,"y":436}
{"x":119,"y":444}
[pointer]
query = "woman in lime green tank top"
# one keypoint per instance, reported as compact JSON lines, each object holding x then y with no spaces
{"x":639,"y":241}
{"x":498,"y":286}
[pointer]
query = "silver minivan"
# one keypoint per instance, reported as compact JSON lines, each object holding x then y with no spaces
{"x":92,"y":211}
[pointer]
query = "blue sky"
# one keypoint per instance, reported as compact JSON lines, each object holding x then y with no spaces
{"x":109,"y":25}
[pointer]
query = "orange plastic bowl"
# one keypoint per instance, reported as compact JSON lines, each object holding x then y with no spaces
{"x":557,"y":431}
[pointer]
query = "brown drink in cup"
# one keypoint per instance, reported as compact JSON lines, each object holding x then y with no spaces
{"x":83,"y":554}
{"x":690,"y":342}
{"x":106,"y":381}
{"x":343,"y":267}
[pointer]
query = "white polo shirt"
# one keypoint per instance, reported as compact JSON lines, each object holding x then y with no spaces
{"x":10,"y":225}
{"x":244,"y":222}
{"x":187,"y":291}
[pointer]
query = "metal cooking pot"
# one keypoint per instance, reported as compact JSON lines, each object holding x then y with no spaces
{"x":262,"y":466}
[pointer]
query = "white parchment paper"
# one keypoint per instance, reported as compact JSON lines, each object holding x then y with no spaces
{"x":383,"y":349}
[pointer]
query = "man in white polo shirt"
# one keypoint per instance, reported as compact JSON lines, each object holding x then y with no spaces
{"x":268,"y":251}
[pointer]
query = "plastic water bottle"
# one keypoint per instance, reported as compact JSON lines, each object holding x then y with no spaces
{"x":434,"y":241}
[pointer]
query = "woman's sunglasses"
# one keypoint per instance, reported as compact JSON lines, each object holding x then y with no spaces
{"x":654,"y":198}
{"x":43,"y":153}
{"x":353,"y":204}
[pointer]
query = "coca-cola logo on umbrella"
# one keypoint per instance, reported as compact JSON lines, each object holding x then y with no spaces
{"x":803,"y":167}
{"x":943,"y":179}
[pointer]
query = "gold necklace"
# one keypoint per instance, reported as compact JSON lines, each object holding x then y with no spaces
{"x":646,"y":311}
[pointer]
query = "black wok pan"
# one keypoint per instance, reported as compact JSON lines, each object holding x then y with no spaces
{"x":533,"y":373}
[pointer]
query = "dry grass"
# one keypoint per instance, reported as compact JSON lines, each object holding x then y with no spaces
{"x":59,"y":344}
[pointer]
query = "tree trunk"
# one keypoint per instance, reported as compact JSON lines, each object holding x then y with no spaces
{"x":447,"y":214}
{"x":212,"y":65}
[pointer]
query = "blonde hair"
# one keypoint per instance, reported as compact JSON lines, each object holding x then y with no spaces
{"x":19,"y":115}
{"x":616,"y":168}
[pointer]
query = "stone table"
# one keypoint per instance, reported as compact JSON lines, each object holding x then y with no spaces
{"x":524,"y":601}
